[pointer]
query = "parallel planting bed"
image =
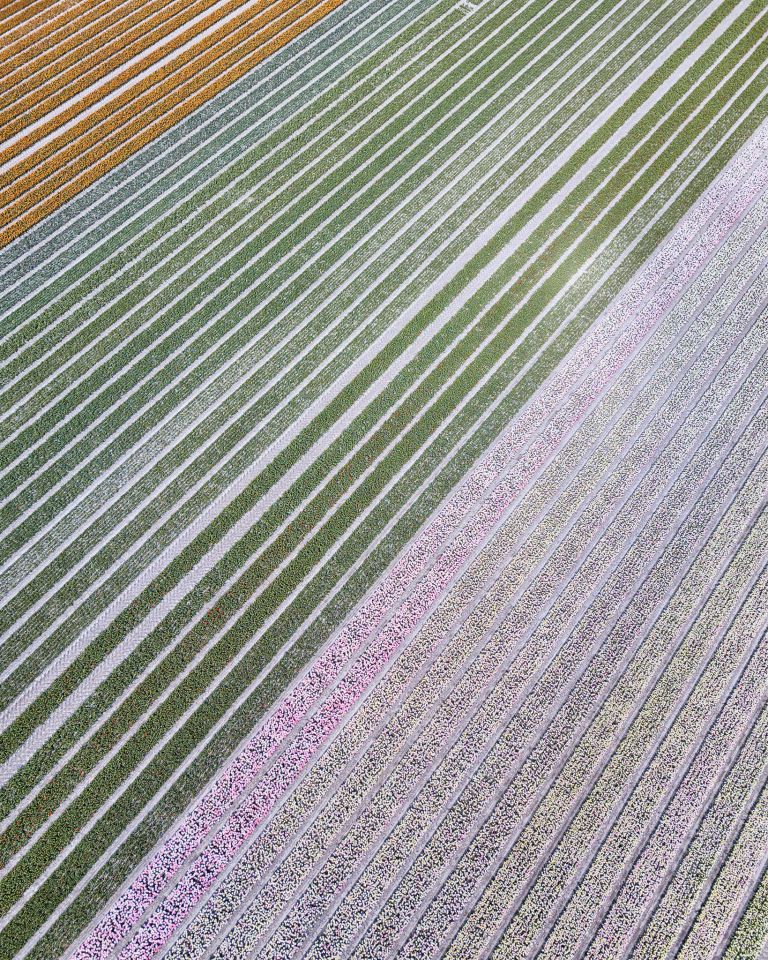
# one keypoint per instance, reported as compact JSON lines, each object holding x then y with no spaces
{"x":383,"y":477}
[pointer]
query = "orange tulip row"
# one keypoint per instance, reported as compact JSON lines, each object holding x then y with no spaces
{"x":19,"y":18}
{"x":25,"y":52}
{"x":81,"y":58}
{"x":41,"y":174}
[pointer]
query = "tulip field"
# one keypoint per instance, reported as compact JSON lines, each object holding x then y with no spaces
{"x":384,"y":479}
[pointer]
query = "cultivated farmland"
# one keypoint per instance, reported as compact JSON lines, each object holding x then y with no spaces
{"x":384,"y":466}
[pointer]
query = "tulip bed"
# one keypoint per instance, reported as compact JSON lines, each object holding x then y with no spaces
{"x":382,"y":477}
